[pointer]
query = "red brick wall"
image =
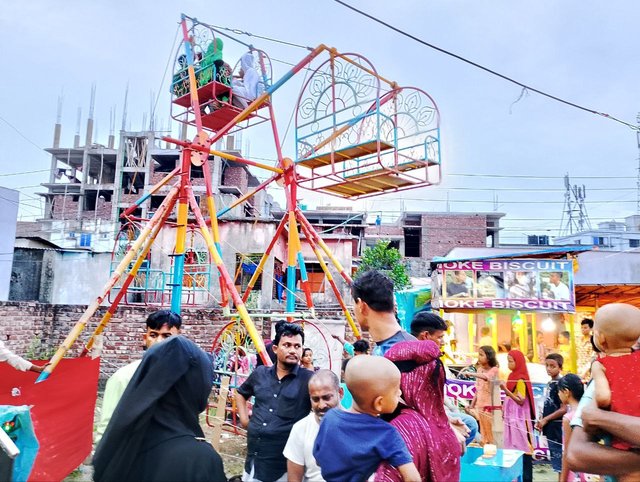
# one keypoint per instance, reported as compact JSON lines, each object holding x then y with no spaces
{"x":236,"y":176}
{"x":129,"y":198}
{"x":443,"y":232}
{"x":23,"y":322}
{"x":384,"y":230}
{"x":103,"y":210}
{"x":64,"y":209}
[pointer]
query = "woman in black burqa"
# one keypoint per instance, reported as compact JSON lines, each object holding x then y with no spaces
{"x":154,"y":434}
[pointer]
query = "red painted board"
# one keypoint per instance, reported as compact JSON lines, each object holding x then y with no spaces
{"x":62,"y":413}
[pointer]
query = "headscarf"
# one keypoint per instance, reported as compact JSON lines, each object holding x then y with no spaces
{"x":214,"y":50}
{"x":162,"y":401}
{"x":520,"y":372}
{"x":251,"y":78}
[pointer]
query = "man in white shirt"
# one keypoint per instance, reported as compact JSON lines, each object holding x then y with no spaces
{"x":325,"y":394}
{"x":558,"y":288}
{"x":161,"y":325}
{"x":16,"y":361}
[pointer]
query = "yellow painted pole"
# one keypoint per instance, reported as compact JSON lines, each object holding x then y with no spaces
{"x":304,"y":277}
{"x":494,"y":331}
{"x":134,"y":269}
{"x":534,"y":334}
{"x":525,"y":326}
{"x":240,"y":306}
{"x":332,"y":283}
{"x":345,"y":310}
{"x":572,"y":343}
{"x":325,"y":248}
{"x":471,"y":327}
{"x":211,"y":206}
{"x":263,"y":260}
{"x":91,"y":309}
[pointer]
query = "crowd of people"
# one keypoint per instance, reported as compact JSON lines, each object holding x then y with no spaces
{"x":397,"y":425}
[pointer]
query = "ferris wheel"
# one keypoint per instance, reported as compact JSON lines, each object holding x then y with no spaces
{"x":357,"y":135}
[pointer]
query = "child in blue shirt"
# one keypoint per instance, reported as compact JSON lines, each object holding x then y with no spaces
{"x":352,"y":443}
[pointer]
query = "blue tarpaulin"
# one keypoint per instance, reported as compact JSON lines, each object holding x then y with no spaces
{"x":16,"y":422}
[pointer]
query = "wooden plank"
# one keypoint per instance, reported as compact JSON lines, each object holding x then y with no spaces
{"x":345,"y":154}
{"x":369,"y":185}
{"x":409,"y":166}
{"x":221,"y":409}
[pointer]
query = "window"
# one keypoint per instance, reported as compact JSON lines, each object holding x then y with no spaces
{"x":634,"y":243}
{"x":412,"y":238}
{"x":85,"y":240}
{"x":316,"y":277}
{"x":600,"y":240}
{"x":245,"y":267}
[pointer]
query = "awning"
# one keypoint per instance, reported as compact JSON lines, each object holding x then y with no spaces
{"x":496,"y":253}
{"x":598,"y":295}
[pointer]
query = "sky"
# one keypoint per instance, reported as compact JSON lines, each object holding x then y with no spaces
{"x":503,"y":149}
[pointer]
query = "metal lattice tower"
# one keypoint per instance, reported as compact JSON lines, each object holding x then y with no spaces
{"x":574,"y":215}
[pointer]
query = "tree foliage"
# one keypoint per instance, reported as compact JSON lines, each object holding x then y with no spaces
{"x":387,"y":259}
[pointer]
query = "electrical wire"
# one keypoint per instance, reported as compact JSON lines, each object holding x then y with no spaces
{"x":525,"y":176}
{"x":20,"y":133}
{"x":486,"y":69}
{"x":270,"y":39}
{"x":164,"y":74}
{"x":24,"y":172}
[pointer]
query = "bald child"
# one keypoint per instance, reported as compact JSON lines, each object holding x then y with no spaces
{"x":352,"y":444}
{"x":616,"y":328}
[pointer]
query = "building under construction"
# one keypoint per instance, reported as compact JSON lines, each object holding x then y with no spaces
{"x":90,"y":185}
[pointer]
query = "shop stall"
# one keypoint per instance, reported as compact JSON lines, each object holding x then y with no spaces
{"x":523,"y":300}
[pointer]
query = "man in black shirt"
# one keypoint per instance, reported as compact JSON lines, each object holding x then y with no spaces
{"x":281,"y":399}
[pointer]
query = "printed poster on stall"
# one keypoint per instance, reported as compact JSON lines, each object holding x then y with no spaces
{"x":505,"y":284}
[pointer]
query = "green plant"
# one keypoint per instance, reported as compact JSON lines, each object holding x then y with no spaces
{"x":38,"y":350}
{"x":387,"y":259}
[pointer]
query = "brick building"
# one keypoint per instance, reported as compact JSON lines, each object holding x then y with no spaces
{"x":420,"y":236}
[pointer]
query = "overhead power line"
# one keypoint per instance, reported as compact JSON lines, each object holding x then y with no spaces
{"x":486,"y":69}
{"x":526,"y":176}
{"x":20,"y":133}
{"x":21,"y":173}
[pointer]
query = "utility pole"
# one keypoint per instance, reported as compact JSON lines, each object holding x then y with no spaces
{"x":638,"y":177}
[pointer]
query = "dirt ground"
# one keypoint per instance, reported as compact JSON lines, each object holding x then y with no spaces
{"x":232,"y":449}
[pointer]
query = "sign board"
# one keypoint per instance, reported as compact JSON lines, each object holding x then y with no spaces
{"x":505,"y":284}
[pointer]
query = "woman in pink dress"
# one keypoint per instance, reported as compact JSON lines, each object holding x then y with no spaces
{"x":486,"y":374}
{"x":422,"y":422}
{"x":519,"y":411}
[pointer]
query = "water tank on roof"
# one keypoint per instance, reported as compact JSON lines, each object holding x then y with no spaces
{"x":612,"y":226}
